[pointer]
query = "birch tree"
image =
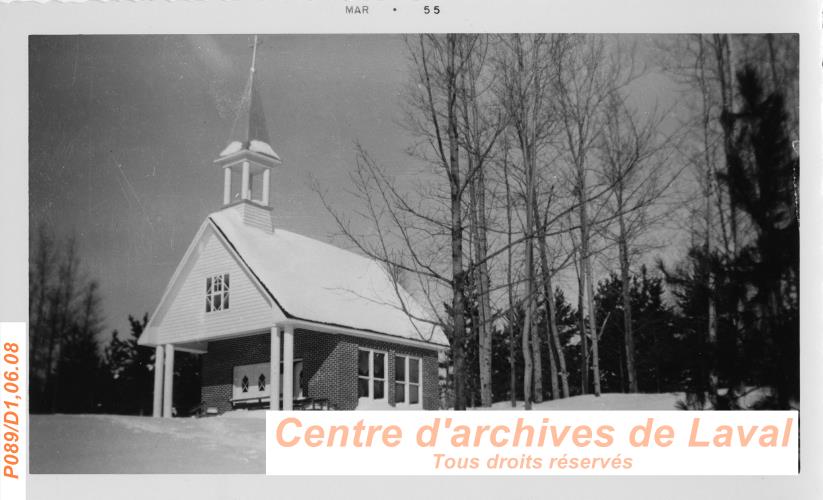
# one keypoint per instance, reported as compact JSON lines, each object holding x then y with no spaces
{"x":632,"y":158}
{"x":525,"y":69}
{"x":588,"y":74}
{"x":480,"y":126}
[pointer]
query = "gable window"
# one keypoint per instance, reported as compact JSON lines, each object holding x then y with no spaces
{"x":217,"y":292}
{"x":371,"y":374}
{"x":407,"y":381}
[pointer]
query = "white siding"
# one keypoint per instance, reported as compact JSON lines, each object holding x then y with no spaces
{"x":184,"y":317}
{"x":256,"y":216}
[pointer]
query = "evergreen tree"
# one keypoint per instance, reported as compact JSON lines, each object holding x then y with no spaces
{"x":78,"y":367}
{"x":130,"y":371}
{"x":656,"y":354}
{"x":762,"y":178}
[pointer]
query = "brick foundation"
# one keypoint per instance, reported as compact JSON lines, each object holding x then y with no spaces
{"x":329,"y":367}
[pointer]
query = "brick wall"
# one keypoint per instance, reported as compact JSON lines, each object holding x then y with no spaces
{"x":218,"y":366}
{"x":329,"y":367}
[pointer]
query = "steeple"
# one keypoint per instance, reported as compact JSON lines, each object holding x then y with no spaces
{"x":249,"y":131}
{"x":249,"y":158}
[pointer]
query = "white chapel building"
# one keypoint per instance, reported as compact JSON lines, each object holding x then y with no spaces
{"x":281,"y":320}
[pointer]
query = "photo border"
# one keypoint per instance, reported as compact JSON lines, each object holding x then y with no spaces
{"x":18,"y":20}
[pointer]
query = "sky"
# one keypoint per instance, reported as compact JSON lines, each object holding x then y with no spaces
{"x":124,"y":131}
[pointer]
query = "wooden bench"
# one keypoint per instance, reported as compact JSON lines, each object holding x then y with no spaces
{"x":259,"y":402}
{"x":301,"y":404}
{"x":309,"y":404}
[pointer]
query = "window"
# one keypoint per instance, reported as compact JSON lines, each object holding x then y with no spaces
{"x":371,"y":374}
{"x":407,"y":380}
{"x":244,"y":384}
{"x":217,"y":292}
{"x":261,"y":383}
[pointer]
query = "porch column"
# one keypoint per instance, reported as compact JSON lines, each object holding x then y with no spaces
{"x":274,"y":362}
{"x":288,"y":367}
{"x":168,"y":381}
{"x":157,"y":407}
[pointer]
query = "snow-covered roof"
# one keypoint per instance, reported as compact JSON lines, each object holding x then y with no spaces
{"x":314,"y":281}
{"x":254,"y":146}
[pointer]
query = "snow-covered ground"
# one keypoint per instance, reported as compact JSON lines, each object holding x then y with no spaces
{"x":118,"y":444}
{"x":232,"y":443}
{"x":648,"y":402}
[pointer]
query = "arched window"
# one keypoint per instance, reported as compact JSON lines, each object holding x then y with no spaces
{"x":244,"y":384}
{"x":261,"y":383}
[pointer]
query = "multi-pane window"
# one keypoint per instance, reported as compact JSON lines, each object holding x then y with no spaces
{"x":261,"y":383}
{"x":371,"y":374}
{"x":217,"y":292}
{"x":407,"y":380}
{"x":244,"y":384}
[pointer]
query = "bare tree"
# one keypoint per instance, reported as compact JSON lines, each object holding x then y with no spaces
{"x":631,"y":158}
{"x":64,"y":319}
{"x":61,"y":315}
{"x":422,"y":230}
{"x":481,"y":123}
{"x":526,"y":69}
{"x":588,"y":74}
{"x":555,"y":347}
{"x":41,"y":276}
{"x":512,"y":314}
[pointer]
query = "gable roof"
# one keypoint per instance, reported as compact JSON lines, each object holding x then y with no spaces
{"x":314,"y":281}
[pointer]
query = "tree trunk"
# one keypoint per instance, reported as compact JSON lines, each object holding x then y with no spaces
{"x":710,"y":178}
{"x":558,"y":347}
{"x":537,"y":355}
{"x":527,"y":135}
{"x":478,"y":206}
{"x":531,"y":349}
{"x":529,"y":356}
{"x":458,"y":273}
{"x":585,"y":261}
{"x":593,"y":326}
{"x":510,"y":287}
{"x":725,"y":72}
{"x":581,"y":325}
{"x":628,"y":333}
{"x":548,"y":296}
{"x":552,"y":363}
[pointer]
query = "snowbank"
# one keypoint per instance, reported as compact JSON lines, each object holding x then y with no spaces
{"x":118,"y":444}
{"x":619,"y":401}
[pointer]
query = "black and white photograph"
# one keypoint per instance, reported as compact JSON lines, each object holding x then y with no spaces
{"x":225,"y":224}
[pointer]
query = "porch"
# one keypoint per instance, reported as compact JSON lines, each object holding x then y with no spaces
{"x":250,"y":384}
{"x":329,"y":371}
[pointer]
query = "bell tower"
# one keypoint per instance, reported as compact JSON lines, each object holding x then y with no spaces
{"x":248,"y":160}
